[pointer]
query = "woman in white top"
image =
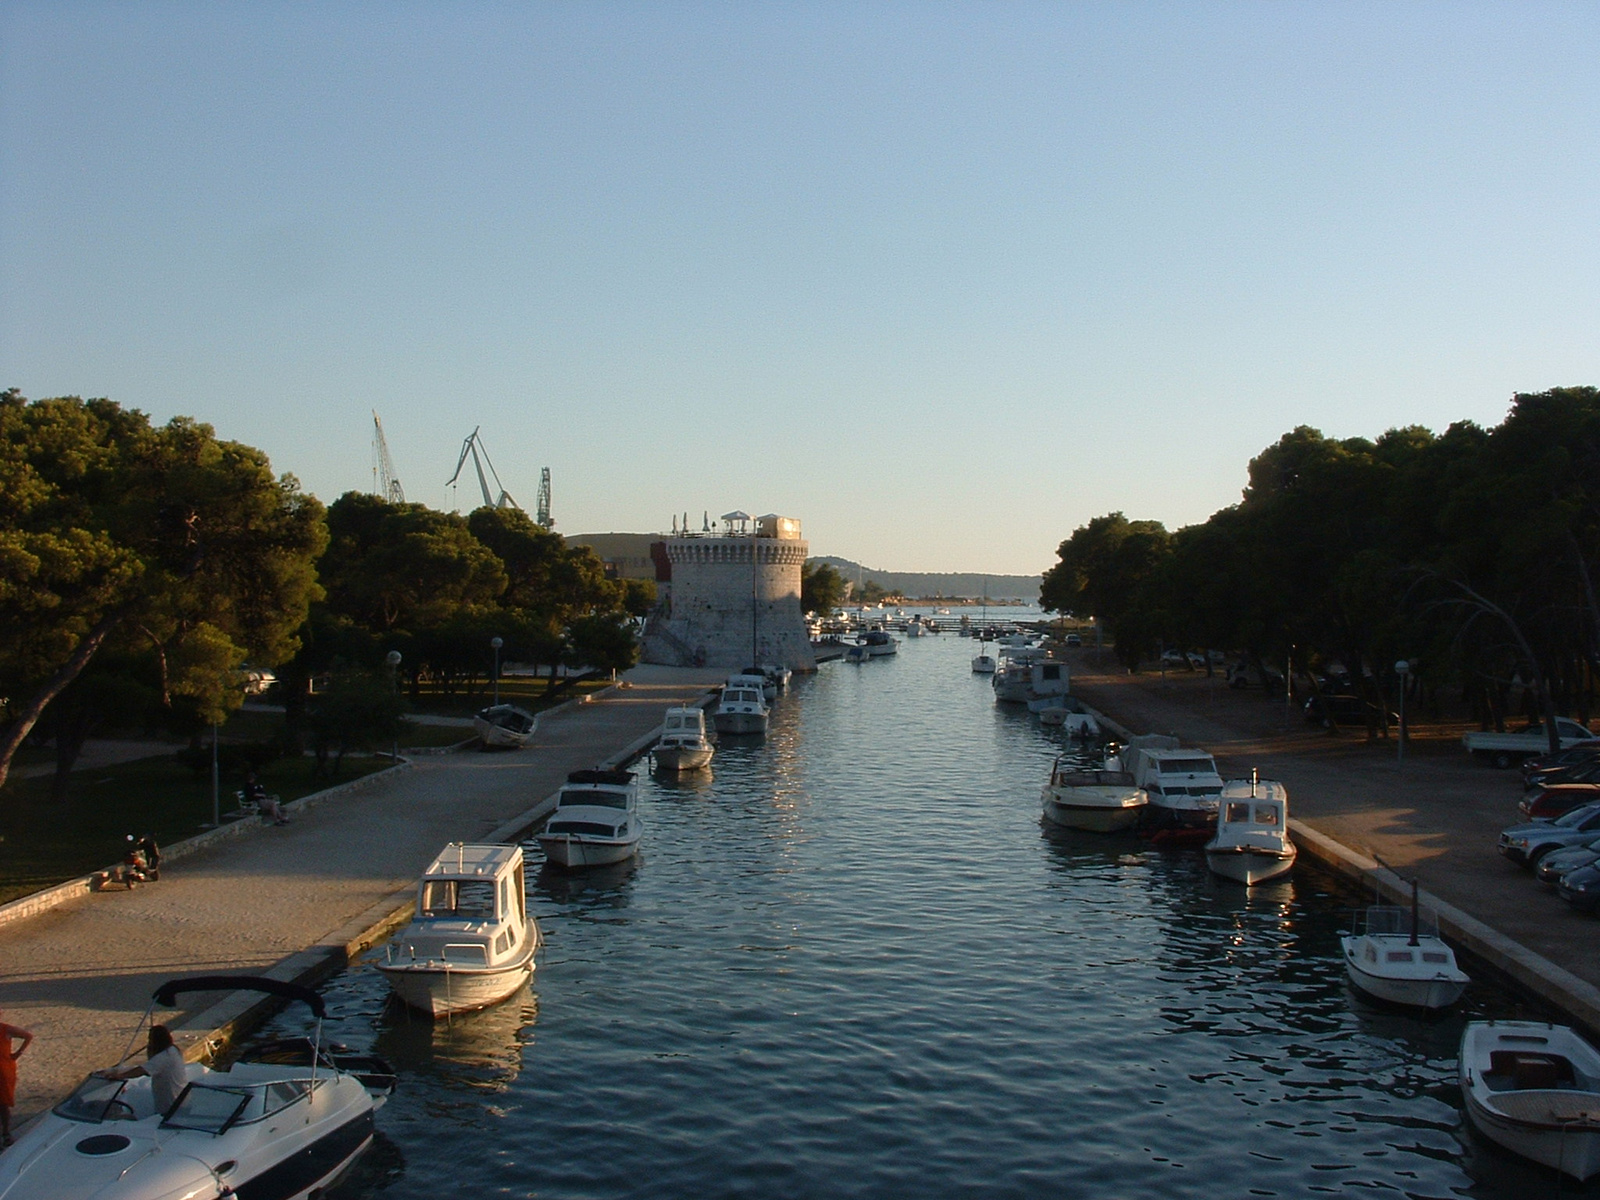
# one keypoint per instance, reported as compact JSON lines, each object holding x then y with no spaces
{"x":165,"y":1066}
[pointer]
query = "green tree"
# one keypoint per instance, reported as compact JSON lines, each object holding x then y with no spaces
{"x":822,"y":588}
{"x":1106,"y":569}
{"x":112,"y":529}
{"x":603,"y":641}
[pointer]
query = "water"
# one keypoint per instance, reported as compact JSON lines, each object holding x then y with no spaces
{"x":851,"y":962}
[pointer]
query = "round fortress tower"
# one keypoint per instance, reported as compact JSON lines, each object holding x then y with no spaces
{"x":734,"y":597}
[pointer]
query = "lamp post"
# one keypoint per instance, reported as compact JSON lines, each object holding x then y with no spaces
{"x":393,"y":659}
{"x":1402,"y":669}
{"x":497,"y":643}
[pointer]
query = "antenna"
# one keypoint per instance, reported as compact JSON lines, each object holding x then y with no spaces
{"x":385,"y":482}
{"x":542,"y":508}
{"x":474,"y":447}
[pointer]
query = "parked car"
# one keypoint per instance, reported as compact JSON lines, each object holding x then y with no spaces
{"x":1074,"y":639}
{"x":1558,"y":862}
{"x":1581,"y":888}
{"x":1186,"y":659}
{"x":1526,"y":844}
{"x":1578,"y":772}
{"x":1574,"y":755}
{"x":1341,"y":708}
{"x":1546,"y":804}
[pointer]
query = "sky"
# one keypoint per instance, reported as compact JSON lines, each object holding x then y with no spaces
{"x":944,"y":281}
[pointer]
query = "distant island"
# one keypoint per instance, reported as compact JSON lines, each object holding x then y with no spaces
{"x":929,"y":585}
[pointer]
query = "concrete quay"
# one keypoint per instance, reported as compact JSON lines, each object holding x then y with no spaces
{"x":293,"y":901}
{"x":1361,"y":812}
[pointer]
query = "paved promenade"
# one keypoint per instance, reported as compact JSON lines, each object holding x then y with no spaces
{"x":1437,"y":816}
{"x":80,"y":976}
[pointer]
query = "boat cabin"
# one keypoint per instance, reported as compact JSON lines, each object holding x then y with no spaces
{"x":471,"y":907}
{"x":1253,"y":812}
{"x":681,"y":725}
{"x":598,"y":789}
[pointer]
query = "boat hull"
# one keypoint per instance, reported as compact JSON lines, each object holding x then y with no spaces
{"x":1558,"y":1127}
{"x":1249,"y":865}
{"x":1080,"y":808}
{"x":442,"y":990}
{"x":577,"y":850}
{"x":683,"y":758}
{"x":737,"y":722}
{"x":500,"y":737}
{"x":1430,"y":995}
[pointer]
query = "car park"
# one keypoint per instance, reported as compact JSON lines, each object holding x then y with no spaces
{"x":1558,"y":862}
{"x":1526,"y":844}
{"x":1548,"y":803}
{"x":1572,"y":756}
{"x":1580,"y":772}
{"x":1581,"y":888}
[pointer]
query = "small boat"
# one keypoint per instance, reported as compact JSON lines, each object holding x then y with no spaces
{"x":287,"y":1124}
{"x":505,"y":725}
{"x":1183,"y":786}
{"x":742,"y":709}
{"x":1252,"y":843}
{"x":471,"y":943}
{"x":1099,"y":801}
{"x":596,"y":820}
{"x":878,"y":643}
{"x":757,"y":678}
{"x":1397,"y":956}
{"x":1534,"y":1089}
{"x":856,"y":654}
{"x":779,"y":675}
{"x":683,"y":745}
{"x":1067,"y":712}
{"x":983,"y":662}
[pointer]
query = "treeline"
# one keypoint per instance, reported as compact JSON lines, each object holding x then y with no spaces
{"x":1471,"y":555}
{"x":142,"y":567}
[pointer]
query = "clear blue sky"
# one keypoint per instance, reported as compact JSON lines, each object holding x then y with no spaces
{"x":944,"y":281}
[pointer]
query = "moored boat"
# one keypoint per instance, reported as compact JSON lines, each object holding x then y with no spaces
{"x":1534,"y":1089}
{"x":741,"y":709}
{"x":505,"y":725}
{"x":878,"y":643}
{"x":595,"y":822}
{"x":287,"y":1125}
{"x":1396,"y":955}
{"x":983,"y":662}
{"x":1252,"y":843}
{"x":683,"y":745}
{"x":1099,"y":801}
{"x":471,"y":942}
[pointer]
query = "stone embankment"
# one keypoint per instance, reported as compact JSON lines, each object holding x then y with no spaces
{"x":291,"y":901}
{"x":1435,"y":816}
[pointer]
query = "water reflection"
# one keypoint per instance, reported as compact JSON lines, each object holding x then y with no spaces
{"x":476,"y":1051}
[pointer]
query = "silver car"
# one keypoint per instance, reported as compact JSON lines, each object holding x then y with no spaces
{"x":1526,"y":844}
{"x":1558,"y":862}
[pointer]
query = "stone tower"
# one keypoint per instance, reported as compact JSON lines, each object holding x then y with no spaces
{"x":734,"y":597}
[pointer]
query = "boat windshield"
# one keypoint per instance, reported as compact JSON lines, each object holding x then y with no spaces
{"x":1238,"y":812}
{"x":1188,"y":766}
{"x":97,"y":1099}
{"x":1391,"y":921}
{"x":597,"y":797}
{"x":457,"y":899}
{"x":209,"y":1108}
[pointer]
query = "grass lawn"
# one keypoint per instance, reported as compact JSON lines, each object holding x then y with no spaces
{"x":424,"y":736}
{"x":44,"y":843}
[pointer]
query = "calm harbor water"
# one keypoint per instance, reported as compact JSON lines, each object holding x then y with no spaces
{"x":852,"y":962}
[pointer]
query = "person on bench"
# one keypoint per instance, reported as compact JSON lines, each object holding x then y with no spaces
{"x":266,"y":805}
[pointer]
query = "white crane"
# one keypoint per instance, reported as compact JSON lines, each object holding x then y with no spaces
{"x":479,"y":453}
{"x":385,"y":482}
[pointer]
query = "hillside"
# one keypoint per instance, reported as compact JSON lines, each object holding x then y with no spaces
{"x":952,"y":585}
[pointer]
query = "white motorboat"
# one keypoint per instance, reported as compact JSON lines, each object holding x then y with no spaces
{"x":879,"y":643}
{"x":778,"y":674}
{"x":595,"y":822}
{"x":1396,"y":955}
{"x":1099,"y":801}
{"x":471,"y":943}
{"x":742,"y":709}
{"x":757,"y":678}
{"x":1183,"y":786}
{"x":288,"y":1125}
{"x":983,"y":662}
{"x":1534,"y":1089}
{"x":505,"y":725}
{"x":683,"y":745}
{"x":1252,"y":843}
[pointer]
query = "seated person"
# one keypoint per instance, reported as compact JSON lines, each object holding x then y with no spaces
{"x":165,"y":1066}
{"x":267,"y":805}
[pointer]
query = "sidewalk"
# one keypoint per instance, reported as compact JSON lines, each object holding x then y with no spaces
{"x":1436,"y":817}
{"x":79,"y":977}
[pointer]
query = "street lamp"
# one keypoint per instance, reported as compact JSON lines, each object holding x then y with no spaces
{"x":393,"y":659}
{"x":1402,"y":669}
{"x":497,"y":643}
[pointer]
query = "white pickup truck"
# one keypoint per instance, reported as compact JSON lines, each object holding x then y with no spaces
{"x":1507,"y":749}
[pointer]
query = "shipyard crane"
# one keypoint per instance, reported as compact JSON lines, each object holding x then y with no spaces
{"x":384,"y":480}
{"x":474,"y":448}
{"x":543,"y":516}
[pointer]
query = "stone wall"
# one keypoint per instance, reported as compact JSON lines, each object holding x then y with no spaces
{"x":733,"y":601}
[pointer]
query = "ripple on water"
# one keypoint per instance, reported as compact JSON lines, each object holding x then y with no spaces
{"x":853,"y":962}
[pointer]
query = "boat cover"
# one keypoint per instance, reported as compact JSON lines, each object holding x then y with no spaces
{"x":167,"y":994}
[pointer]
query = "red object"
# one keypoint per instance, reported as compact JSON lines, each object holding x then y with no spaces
{"x":1556,"y":799}
{"x":1176,"y":838}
